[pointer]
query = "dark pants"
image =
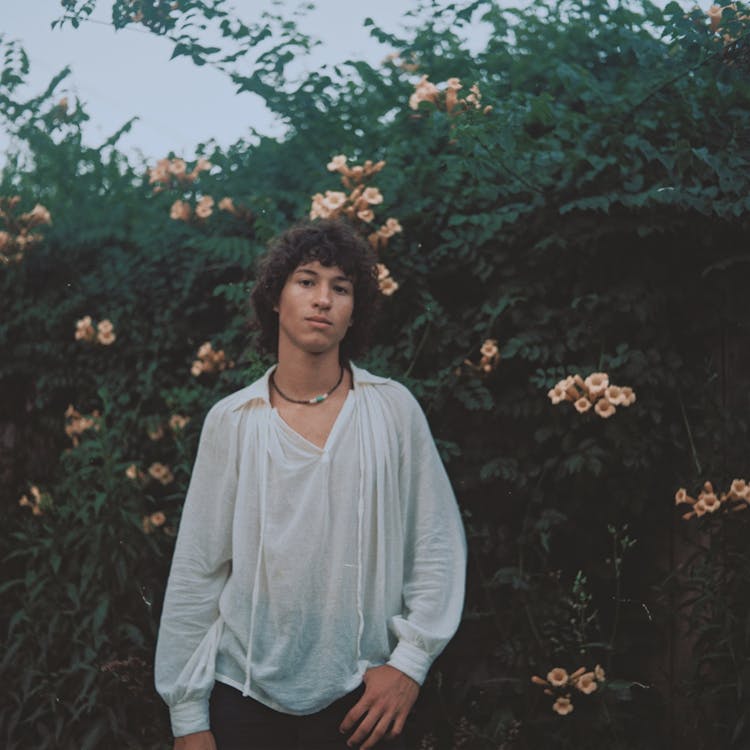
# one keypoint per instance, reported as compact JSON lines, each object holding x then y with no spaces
{"x":241,"y":723}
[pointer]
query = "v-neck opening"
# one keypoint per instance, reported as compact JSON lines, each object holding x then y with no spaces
{"x":335,"y":427}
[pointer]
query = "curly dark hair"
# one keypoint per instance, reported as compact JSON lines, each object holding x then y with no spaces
{"x":333,"y":243}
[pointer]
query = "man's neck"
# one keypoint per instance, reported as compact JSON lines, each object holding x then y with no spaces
{"x":304,"y":375}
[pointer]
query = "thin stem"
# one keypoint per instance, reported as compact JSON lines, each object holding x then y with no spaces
{"x":512,"y":172}
{"x":485,"y":588}
{"x":418,"y":350}
{"x":674,"y":79}
{"x":532,"y":624}
{"x":521,"y":560}
{"x":618,"y":592}
{"x":690,"y":436}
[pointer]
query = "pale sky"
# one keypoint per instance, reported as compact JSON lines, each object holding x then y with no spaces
{"x":121,"y":74}
{"x":118,"y":75}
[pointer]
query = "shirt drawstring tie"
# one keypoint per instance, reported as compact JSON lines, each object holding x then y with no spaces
{"x":262,"y":484}
{"x":360,"y":562}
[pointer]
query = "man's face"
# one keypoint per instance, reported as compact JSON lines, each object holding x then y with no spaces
{"x":315,"y":308}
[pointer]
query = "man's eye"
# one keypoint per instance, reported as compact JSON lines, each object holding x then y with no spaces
{"x":341,"y":289}
{"x":305,"y":282}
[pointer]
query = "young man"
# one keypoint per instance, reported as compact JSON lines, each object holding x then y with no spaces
{"x":319,"y":567}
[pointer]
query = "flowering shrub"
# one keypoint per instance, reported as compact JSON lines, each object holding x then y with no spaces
{"x":156,"y":431}
{"x":85,"y":331}
{"x":559,"y":681}
{"x":156,"y":521}
{"x":488,"y":359}
{"x":178,"y":422}
{"x":39,"y":502}
{"x":209,"y":360}
{"x":17,"y":236}
{"x":584,"y":216}
{"x":594,"y":391}
{"x":103,"y":334}
{"x":227,"y":204}
{"x":76,"y":423}
{"x":205,"y":207}
{"x":719,"y":23}
{"x":161,"y":473}
{"x":172,"y":173}
{"x":180,"y":211}
{"x":735,"y":499}
{"x":387,"y":284}
{"x":357,"y":205}
{"x":183,"y":211}
{"x":133,"y":472}
{"x":447,"y":98}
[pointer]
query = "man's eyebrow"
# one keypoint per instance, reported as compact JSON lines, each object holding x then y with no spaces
{"x":310,"y":272}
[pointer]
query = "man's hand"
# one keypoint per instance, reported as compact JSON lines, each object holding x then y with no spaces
{"x":388,"y":698}
{"x":195,"y":741}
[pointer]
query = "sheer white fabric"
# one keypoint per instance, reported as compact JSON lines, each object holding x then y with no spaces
{"x":297,"y":568}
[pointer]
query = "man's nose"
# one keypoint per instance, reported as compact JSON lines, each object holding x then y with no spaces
{"x":324,"y":296}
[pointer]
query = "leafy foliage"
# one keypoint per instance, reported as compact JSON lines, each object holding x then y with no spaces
{"x":595,"y":219}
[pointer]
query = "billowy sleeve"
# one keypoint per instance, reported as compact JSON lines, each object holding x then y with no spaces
{"x":434,"y":555}
{"x":190,"y":626}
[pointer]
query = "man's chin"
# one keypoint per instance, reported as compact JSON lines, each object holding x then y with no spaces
{"x":320,"y":350}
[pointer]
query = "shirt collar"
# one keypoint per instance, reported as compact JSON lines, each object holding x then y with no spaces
{"x":259,"y":390}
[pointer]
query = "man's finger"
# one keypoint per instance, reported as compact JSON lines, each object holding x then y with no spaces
{"x":364,"y":729}
{"x":356,"y":712}
{"x":398,"y":726}
{"x":378,"y":733}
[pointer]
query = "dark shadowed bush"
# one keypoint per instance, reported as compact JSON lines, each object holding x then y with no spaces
{"x":595,"y":219}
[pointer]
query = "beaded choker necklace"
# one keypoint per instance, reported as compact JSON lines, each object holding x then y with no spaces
{"x":312,"y":401}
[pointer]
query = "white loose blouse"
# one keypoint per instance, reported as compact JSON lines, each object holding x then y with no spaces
{"x":297,"y":568}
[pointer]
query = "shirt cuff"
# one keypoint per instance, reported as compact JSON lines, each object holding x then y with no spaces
{"x":189,"y":717}
{"x":411,"y":660}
